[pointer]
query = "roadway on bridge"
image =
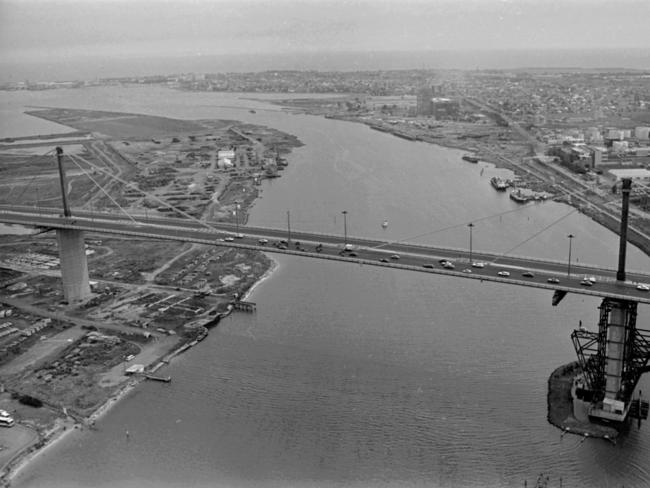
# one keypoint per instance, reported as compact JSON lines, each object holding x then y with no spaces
{"x":521,"y":271}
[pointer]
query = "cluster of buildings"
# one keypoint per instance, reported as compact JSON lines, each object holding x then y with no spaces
{"x":595,"y":148}
{"x":542,"y":98}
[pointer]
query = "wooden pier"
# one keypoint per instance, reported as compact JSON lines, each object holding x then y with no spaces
{"x":243,"y":306}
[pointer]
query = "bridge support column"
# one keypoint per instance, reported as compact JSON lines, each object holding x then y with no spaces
{"x":74,"y":265}
{"x":613,"y":359}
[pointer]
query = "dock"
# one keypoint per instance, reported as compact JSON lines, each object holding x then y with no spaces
{"x":164,"y":379}
{"x":243,"y":306}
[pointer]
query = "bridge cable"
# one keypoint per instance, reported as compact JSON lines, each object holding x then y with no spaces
{"x":33,"y":178}
{"x":450,"y":227}
{"x":135,"y":187}
{"x":535,"y":235}
{"x":103,"y":190}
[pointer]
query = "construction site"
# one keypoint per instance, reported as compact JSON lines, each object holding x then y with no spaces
{"x":149,"y":300}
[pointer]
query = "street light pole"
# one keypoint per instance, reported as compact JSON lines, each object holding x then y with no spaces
{"x":288,"y":226}
{"x":471,"y":226}
{"x":568,"y":273}
{"x":237,"y":216}
{"x":345,"y":227}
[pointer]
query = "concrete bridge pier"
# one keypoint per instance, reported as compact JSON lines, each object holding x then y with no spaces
{"x":74,"y":265}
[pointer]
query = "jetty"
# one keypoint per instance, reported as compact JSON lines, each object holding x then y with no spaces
{"x":164,"y":379}
{"x":243,"y":306}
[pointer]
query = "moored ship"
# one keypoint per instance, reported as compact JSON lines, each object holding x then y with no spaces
{"x":518,"y":196}
{"x":499,"y":184}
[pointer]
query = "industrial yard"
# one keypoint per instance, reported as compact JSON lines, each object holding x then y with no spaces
{"x":59,"y":363}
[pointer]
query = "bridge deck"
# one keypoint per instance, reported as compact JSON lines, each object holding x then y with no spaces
{"x":412,"y":257}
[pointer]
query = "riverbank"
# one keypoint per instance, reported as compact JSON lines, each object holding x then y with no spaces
{"x":501,"y":146}
{"x":64,"y":426}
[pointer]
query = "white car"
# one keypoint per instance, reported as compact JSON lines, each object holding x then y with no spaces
{"x":263,"y":241}
{"x":228,"y":239}
{"x":643,"y":287}
{"x":478,"y":264}
{"x":504,"y":273}
{"x":448,"y":265}
{"x":239,"y":236}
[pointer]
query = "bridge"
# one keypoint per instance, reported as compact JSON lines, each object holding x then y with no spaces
{"x":483,"y":266}
{"x":612,"y":359}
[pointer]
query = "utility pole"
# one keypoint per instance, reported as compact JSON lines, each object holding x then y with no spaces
{"x":568,"y":273}
{"x":471,"y":226}
{"x":289,"y":227}
{"x":59,"y":158}
{"x":237,"y":216}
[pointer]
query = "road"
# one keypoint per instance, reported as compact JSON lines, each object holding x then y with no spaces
{"x":412,"y":257}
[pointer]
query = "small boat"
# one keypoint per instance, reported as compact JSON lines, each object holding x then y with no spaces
{"x":471,"y":159}
{"x":518,"y":196}
{"x":252,"y":111}
{"x":498,"y":183}
{"x":384,"y":224}
{"x":6,"y":421}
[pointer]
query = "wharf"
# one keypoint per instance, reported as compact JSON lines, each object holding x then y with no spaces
{"x":164,"y":379}
{"x":243,"y":306}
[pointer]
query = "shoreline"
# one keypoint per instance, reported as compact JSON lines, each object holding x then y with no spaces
{"x":69,"y":424}
{"x":267,"y":275}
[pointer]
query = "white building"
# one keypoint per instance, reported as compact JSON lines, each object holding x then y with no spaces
{"x":642,"y":133}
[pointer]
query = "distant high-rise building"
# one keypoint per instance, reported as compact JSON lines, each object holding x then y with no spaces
{"x":424,"y":96}
{"x":642,"y":133}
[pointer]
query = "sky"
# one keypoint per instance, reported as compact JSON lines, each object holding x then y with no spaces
{"x":50,"y":30}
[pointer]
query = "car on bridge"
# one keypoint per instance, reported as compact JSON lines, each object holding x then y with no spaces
{"x":263,"y":241}
{"x":448,"y":265}
{"x":395,"y":256}
{"x":503,"y":273}
{"x":229,"y":239}
{"x":478,"y":264}
{"x":528,"y":274}
{"x":586,"y":282}
{"x":643,"y":287}
{"x":553,"y":279}
{"x":428,"y":266}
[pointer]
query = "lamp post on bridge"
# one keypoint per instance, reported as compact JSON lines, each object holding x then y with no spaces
{"x":345,"y":227}
{"x":568,"y":272}
{"x":237,"y":217}
{"x":471,"y":226}
{"x":289,"y":227}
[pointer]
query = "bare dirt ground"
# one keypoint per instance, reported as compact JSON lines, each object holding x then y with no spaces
{"x":149,"y":297}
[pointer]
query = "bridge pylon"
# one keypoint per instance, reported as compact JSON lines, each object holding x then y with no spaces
{"x":74,"y":265}
{"x":612,"y":360}
{"x":72,"y":252}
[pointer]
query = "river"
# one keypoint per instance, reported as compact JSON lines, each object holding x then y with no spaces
{"x":349,"y":375}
